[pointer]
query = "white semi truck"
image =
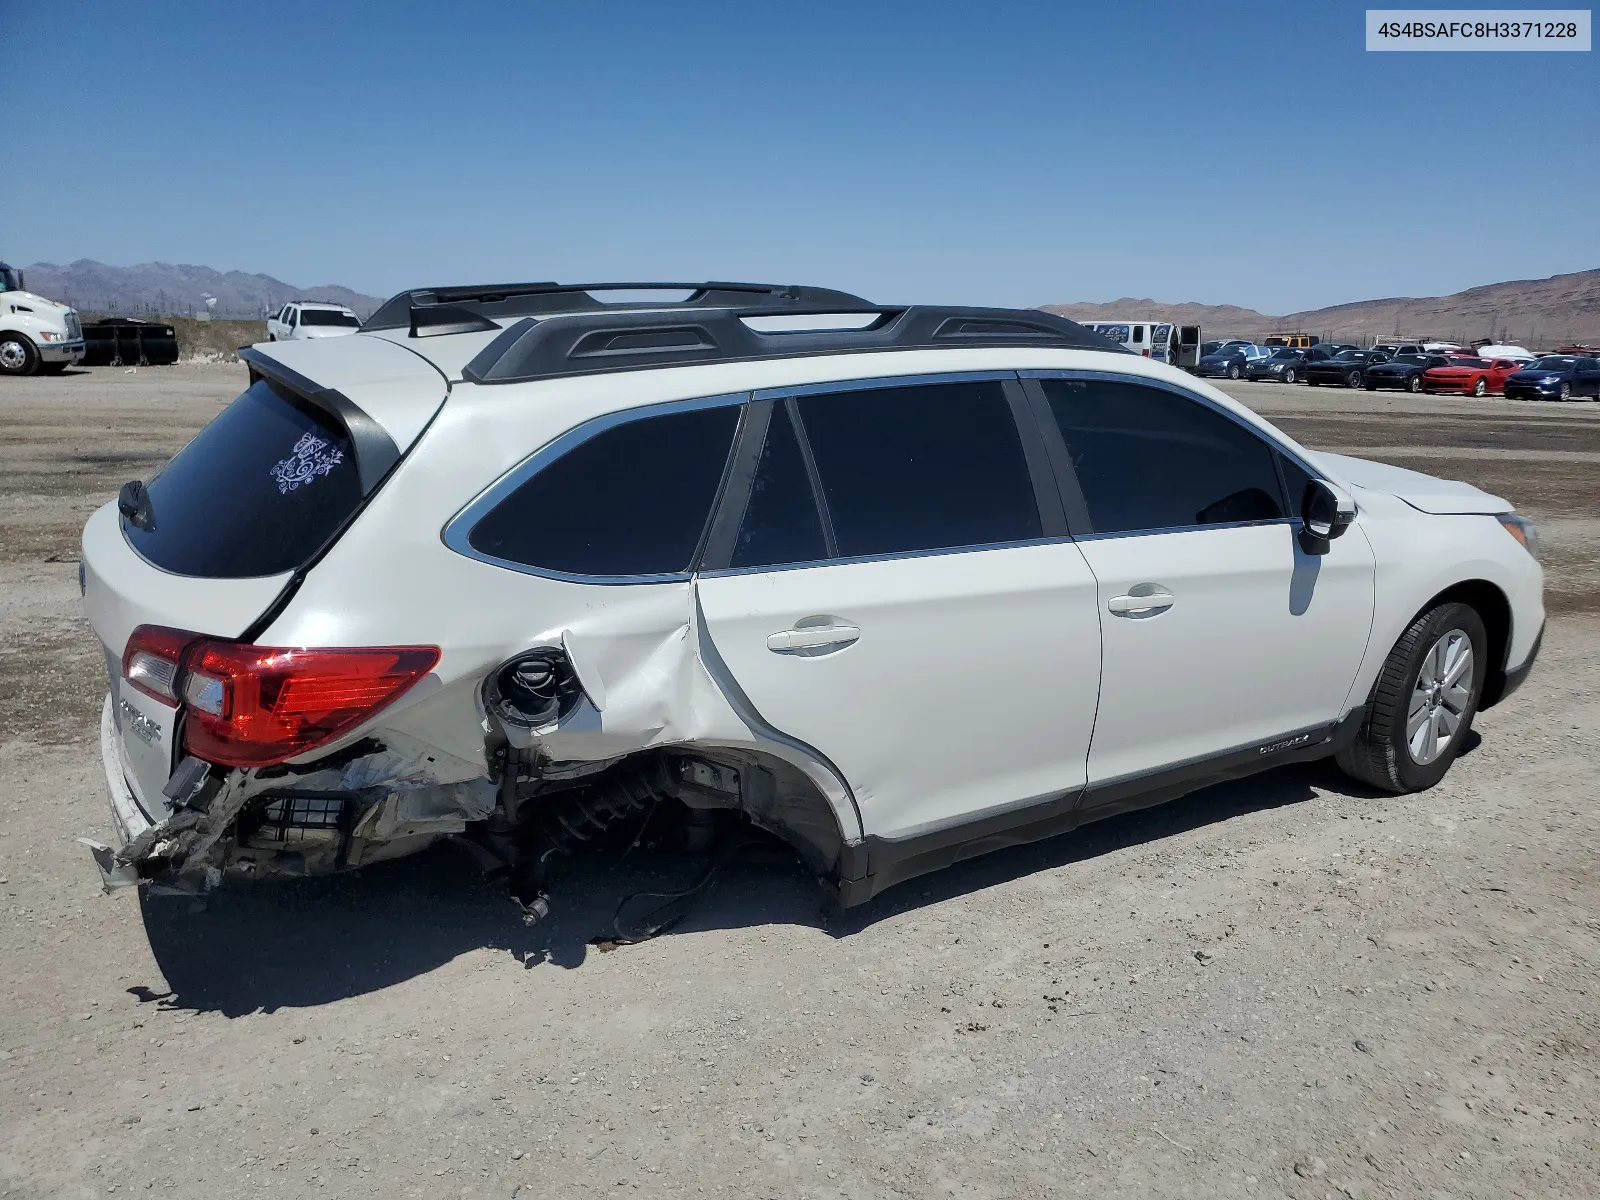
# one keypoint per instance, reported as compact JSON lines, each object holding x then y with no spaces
{"x":35,"y":334}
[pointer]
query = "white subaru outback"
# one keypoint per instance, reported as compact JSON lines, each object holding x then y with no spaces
{"x":900,"y":585}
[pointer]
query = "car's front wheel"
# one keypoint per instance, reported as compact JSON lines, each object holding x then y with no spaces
{"x":1288,"y":376}
{"x":1422,"y":704}
{"x":1233,"y":371}
{"x":1566,"y":388}
{"x":1481,"y":387}
{"x":1353,"y":379}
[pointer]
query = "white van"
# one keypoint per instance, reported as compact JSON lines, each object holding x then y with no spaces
{"x":1175,"y":344}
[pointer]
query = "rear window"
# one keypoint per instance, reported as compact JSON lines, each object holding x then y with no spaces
{"x":325,"y":316}
{"x":258,"y":491}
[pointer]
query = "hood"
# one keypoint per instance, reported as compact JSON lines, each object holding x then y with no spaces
{"x":1422,"y":492}
{"x":327,"y":331}
{"x":32,"y":300}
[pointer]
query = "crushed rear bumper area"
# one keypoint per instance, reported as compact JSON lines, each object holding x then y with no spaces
{"x":366,"y":803}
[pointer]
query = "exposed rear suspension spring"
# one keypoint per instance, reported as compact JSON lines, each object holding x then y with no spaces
{"x":571,"y":818}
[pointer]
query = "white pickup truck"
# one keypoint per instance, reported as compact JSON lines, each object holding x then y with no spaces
{"x":35,"y":334}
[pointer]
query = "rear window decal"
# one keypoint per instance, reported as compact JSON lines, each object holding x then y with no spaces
{"x":313,"y":456}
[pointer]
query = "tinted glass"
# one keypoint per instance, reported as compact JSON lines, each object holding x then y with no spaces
{"x":921,"y":468}
{"x":323,"y":316}
{"x":257,"y":492}
{"x":632,"y":500}
{"x":781,"y":523}
{"x":1552,"y":362}
{"x":1151,"y":459}
{"x":1296,"y":480}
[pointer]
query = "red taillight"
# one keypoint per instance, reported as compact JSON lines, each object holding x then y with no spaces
{"x":252,"y":706}
{"x":152,"y":659}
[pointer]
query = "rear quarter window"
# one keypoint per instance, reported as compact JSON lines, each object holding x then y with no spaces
{"x":259,"y":491}
{"x":631,"y":501}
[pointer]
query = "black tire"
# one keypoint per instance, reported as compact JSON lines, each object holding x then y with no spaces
{"x":1414,"y":384}
{"x":1353,"y":379}
{"x":1566,"y":391}
{"x":1233,"y":371}
{"x":1288,"y":376}
{"x":272,"y":337}
{"x":1481,"y":387}
{"x":17,"y":355}
{"x":1379,"y":756}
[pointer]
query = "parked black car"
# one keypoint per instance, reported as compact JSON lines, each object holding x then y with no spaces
{"x":1231,"y":361}
{"x":1401,"y":371}
{"x":1555,"y":377}
{"x":1344,"y":369}
{"x":1286,"y":365}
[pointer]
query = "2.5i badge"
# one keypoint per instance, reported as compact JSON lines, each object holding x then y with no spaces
{"x":141,"y":726}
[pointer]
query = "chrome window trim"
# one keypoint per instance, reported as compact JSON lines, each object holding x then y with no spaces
{"x":1067,"y":539}
{"x":457,"y":531}
{"x":1167,"y":386}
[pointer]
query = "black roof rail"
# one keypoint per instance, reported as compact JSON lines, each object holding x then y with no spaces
{"x":590,"y":343}
{"x":513,"y":300}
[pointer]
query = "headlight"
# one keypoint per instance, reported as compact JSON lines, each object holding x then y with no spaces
{"x":1524,"y":530}
{"x":49,"y":335}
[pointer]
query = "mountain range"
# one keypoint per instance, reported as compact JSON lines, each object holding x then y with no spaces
{"x":1534,"y":312}
{"x":1538,"y":312}
{"x":179,"y":289}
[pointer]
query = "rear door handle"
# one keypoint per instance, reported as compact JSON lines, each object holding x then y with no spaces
{"x":1154,"y":601}
{"x":816,"y":639}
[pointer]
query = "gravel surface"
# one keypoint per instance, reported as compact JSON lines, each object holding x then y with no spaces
{"x":1281,"y":987}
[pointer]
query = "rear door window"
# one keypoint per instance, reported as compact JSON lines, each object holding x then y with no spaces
{"x":258,"y":492}
{"x":633,"y":500}
{"x":1148,"y":459}
{"x":923,"y":467}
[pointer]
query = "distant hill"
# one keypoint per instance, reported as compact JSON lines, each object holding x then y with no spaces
{"x":1536,"y":312}
{"x":175,"y":289}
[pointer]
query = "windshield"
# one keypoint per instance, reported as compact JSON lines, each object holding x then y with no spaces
{"x":328,"y":316}
{"x":10,"y":280}
{"x":1286,"y":354}
{"x":1210,"y":347}
{"x":1554,"y":362}
{"x":1351,"y":355}
{"x":1412,"y":358}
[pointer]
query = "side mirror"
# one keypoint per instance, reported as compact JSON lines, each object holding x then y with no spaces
{"x":1325,"y":513}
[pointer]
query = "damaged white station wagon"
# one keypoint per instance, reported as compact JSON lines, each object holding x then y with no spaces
{"x":901,"y":585}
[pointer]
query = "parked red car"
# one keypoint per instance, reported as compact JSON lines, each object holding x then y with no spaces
{"x":1470,"y":376}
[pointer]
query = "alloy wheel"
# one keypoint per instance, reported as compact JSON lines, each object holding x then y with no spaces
{"x":1480,"y":388}
{"x":13,"y":355}
{"x":1353,"y":379}
{"x":1440,"y":698}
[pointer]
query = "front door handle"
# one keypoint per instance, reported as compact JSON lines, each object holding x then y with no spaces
{"x":806,"y":638}
{"x":1146,"y":600}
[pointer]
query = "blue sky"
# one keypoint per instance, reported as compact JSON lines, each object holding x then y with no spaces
{"x":993,"y":152}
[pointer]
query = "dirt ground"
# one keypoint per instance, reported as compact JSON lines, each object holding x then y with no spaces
{"x":1282,"y":987}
